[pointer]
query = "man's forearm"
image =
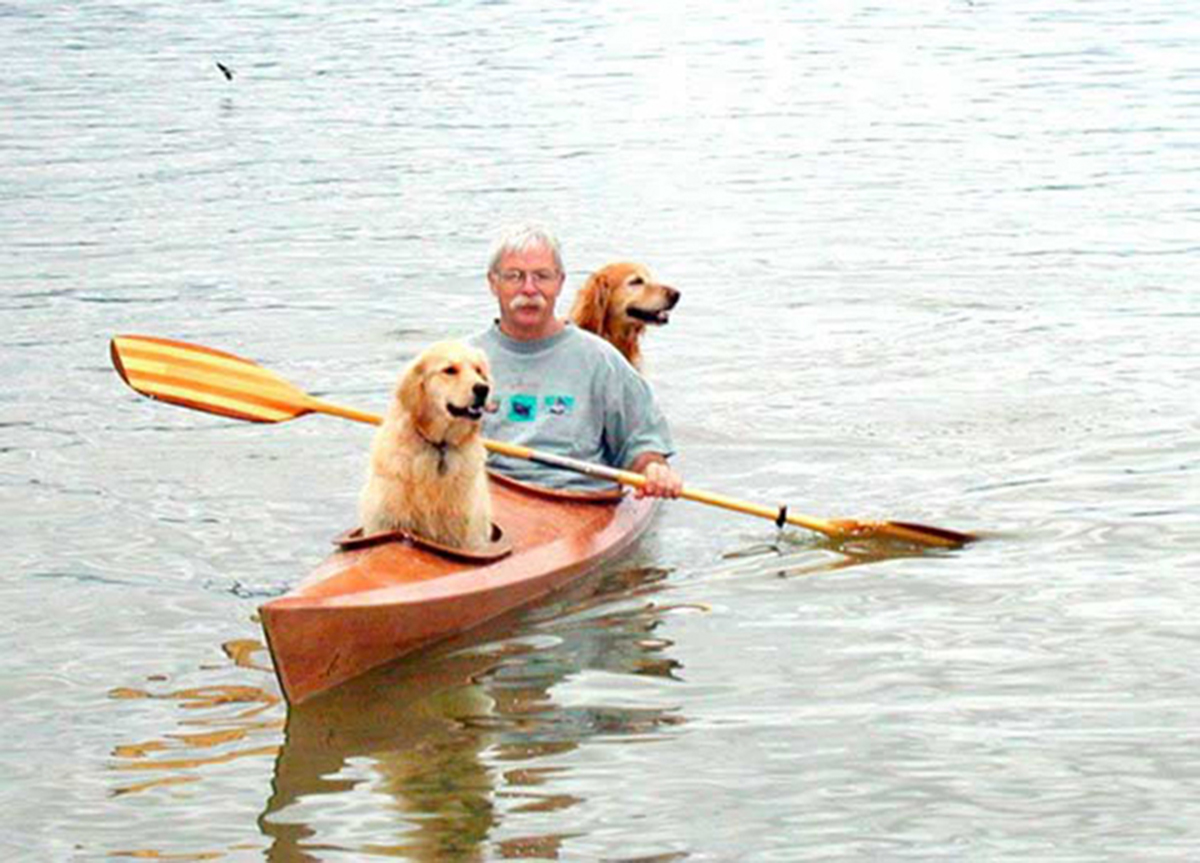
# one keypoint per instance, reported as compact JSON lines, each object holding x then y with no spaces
{"x":644,"y":460}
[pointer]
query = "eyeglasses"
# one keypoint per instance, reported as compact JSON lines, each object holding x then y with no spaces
{"x":541,"y":278}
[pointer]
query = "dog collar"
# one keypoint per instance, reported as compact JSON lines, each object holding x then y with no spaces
{"x":441,"y":451}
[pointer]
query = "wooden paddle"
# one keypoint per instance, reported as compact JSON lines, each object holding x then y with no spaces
{"x":220,"y":383}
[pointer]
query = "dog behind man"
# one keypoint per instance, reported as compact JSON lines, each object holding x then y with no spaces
{"x":618,"y":302}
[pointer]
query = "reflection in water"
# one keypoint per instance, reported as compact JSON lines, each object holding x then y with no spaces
{"x":179,"y":755}
{"x":403,"y":719}
{"x":798,"y":555}
{"x":232,"y":722}
{"x":452,"y":738}
{"x":456,"y":741}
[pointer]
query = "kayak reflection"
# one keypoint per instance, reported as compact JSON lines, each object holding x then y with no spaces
{"x":459,"y":738}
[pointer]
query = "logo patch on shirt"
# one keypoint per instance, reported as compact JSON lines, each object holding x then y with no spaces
{"x":522,"y":408}
{"x":560,"y":405}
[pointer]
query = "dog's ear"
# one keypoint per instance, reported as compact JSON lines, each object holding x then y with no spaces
{"x":591,"y":302}
{"x":411,"y":391}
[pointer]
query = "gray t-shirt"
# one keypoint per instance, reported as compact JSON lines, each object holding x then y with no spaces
{"x":572,"y":394}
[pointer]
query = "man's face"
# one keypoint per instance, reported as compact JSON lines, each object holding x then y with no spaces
{"x":527,"y":284}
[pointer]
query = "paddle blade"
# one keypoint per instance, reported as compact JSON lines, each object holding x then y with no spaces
{"x":206,"y":380}
{"x":908,"y":532}
{"x":927,"y":534}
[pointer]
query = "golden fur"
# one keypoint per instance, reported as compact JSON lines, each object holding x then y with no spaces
{"x":427,"y":473}
{"x":619,"y":301}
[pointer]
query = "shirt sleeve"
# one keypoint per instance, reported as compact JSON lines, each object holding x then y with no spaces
{"x":633,"y":423}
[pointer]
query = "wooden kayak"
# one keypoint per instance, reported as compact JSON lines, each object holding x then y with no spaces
{"x":372,"y":602}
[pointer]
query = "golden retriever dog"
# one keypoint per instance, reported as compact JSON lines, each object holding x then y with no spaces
{"x":619,"y":301}
{"x":427,"y":474}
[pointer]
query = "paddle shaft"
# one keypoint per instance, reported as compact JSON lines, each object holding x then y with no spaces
{"x":778,"y":515}
{"x":899,"y":530}
{"x":221,"y":383}
{"x":625,"y":477}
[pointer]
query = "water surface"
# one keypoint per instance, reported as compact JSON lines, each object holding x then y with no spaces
{"x":938,"y":264}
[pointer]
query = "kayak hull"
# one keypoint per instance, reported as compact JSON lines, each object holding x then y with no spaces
{"x":366,"y":606}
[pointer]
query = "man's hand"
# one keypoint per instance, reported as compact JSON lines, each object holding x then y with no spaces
{"x":661,"y":481}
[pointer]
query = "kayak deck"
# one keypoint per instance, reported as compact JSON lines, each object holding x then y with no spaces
{"x":363,"y":607}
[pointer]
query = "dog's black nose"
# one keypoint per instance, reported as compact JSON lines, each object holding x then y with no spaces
{"x":481,"y":393}
{"x":672,"y":296}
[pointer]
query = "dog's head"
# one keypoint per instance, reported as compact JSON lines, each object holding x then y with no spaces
{"x":445,"y":390}
{"x":623,"y":295}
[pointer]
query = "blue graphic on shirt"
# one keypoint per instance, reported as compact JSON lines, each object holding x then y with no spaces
{"x":560,"y":405}
{"x":522,"y":408}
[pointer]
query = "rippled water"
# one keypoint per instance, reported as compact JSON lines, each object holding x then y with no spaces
{"x":938,"y":263}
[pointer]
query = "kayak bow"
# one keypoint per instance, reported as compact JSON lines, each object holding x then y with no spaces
{"x":368,"y":605}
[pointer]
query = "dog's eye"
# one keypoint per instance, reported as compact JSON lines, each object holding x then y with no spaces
{"x":450,"y":370}
{"x":637,"y":280}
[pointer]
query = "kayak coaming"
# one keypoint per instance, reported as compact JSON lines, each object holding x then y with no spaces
{"x":364,"y":607}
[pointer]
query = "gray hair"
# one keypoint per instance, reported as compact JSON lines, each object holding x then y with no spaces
{"x":522,"y":238}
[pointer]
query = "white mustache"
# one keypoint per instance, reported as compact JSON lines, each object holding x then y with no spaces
{"x":528,"y":303}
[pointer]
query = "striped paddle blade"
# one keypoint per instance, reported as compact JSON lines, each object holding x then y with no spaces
{"x":206,"y":379}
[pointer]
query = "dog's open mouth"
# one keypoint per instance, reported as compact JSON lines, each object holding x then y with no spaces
{"x":471,"y":412}
{"x":657,"y":317}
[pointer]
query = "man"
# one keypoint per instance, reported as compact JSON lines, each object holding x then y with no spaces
{"x":562,"y":389}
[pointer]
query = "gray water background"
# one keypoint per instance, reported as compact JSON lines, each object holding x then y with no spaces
{"x":938,"y":262}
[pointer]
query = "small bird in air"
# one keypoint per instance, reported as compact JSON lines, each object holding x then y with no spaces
{"x":226,"y":71}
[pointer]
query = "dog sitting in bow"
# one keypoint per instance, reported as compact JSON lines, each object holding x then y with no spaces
{"x":427,"y":471}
